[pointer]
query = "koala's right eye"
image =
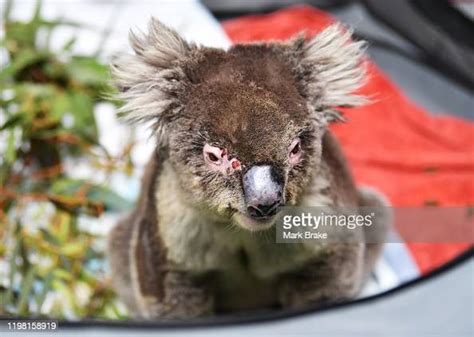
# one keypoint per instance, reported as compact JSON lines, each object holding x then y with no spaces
{"x":219,"y":160}
{"x":213,"y":155}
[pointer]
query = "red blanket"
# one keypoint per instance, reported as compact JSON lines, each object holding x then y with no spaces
{"x":394,"y":145}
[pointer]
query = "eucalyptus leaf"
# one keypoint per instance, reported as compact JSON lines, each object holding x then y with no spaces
{"x":7,"y":10}
{"x":73,"y":248}
{"x":60,"y":105}
{"x":46,"y":288}
{"x":97,"y":194}
{"x":82,"y":108}
{"x":10,"y":153}
{"x":12,"y":122}
{"x":13,"y":269}
{"x":62,"y":274}
{"x":25,"y":58}
{"x":25,"y":292}
{"x":69,"y":44}
{"x":88,"y":71}
{"x":111,"y":200}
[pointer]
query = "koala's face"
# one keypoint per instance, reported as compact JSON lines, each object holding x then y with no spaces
{"x":246,"y":143}
{"x":243,"y":127}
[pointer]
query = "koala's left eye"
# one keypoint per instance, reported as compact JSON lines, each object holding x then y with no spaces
{"x":295,"y":151}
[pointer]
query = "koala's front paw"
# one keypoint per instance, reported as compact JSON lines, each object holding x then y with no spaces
{"x":182,"y":299}
{"x":293,"y":295}
{"x":335,"y":277}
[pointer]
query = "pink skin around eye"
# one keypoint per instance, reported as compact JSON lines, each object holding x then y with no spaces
{"x":295,"y":151}
{"x":218,"y":159}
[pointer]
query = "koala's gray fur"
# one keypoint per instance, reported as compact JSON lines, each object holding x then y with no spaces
{"x":188,"y":249}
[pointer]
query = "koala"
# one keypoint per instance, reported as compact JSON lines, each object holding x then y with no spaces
{"x":239,"y":134}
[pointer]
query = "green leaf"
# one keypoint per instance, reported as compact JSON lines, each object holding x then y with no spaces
{"x":64,"y":228}
{"x":10,"y":153}
{"x":88,"y":71}
{"x":60,"y":105}
{"x":19,"y":35}
{"x":12,"y":122}
{"x":27,"y":90}
{"x":54,"y":71}
{"x":7,"y":10}
{"x":82,"y":108}
{"x":13,"y":271}
{"x":66,"y":291}
{"x":26,"y":287}
{"x":69,"y":44}
{"x":49,"y":237}
{"x":73,"y":249}
{"x":97,"y":194}
{"x":47,"y":283}
{"x":23,"y":59}
{"x":111,"y":200}
{"x":62,"y":274}
{"x":37,"y":11}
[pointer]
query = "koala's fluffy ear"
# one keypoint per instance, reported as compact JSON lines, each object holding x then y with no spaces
{"x":149,"y":80}
{"x":330,"y":67}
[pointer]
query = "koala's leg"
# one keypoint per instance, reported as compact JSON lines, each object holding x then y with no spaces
{"x":160,"y":291}
{"x":119,"y":261}
{"x":142,"y":275}
{"x":373,"y":201}
{"x":334,"y":276}
{"x":143,"y":280}
{"x":181,"y":298}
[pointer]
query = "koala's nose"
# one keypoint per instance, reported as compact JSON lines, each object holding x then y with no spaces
{"x":262,"y":211}
{"x":263,"y":191}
